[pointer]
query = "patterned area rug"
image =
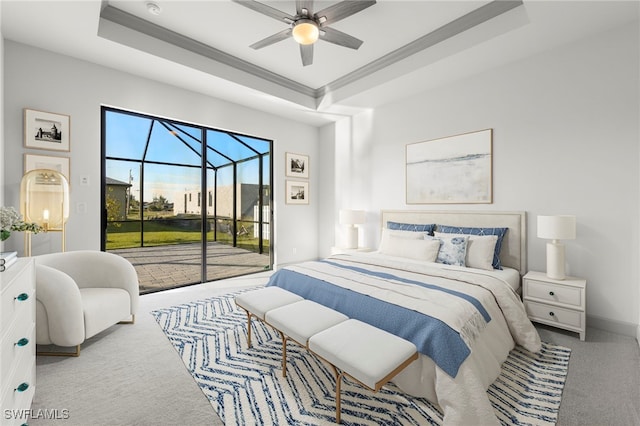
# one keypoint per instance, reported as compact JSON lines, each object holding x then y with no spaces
{"x":245,"y":386}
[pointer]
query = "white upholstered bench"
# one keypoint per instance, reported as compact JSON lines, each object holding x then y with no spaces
{"x":258,"y":302}
{"x":363,"y":352}
{"x":299,"y":321}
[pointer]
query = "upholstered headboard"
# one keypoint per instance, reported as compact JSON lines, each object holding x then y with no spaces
{"x":514,"y":245}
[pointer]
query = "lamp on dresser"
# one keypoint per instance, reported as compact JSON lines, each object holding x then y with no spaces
{"x":556,"y":228}
{"x":352,"y":218}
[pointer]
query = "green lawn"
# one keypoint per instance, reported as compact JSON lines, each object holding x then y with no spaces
{"x":166,"y":232}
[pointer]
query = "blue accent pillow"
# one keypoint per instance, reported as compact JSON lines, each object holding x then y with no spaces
{"x":453,"y":250}
{"x":428,"y":228}
{"x":499,"y":232}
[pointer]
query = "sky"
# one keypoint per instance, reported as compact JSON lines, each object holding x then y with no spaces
{"x":175,"y":144}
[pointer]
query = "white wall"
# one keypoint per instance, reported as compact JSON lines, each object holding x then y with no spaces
{"x":42,"y":80}
{"x":565,"y":141}
{"x":1,"y":113}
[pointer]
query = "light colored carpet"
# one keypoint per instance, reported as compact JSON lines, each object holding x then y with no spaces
{"x":245,"y":385}
{"x":131,"y":374}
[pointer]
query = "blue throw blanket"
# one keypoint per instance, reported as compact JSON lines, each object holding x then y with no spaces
{"x":432,"y":336}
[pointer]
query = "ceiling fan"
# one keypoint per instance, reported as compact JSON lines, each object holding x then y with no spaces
{"x":307,"y":27}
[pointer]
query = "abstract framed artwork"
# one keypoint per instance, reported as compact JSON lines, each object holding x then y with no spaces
{"x":297,"y":165}
{"x":46,"y":130}
{"x":453,"y":169}
{"x":297,"y":192}
{"x":59,"y":164}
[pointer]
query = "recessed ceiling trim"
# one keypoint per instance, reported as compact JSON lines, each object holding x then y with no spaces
{"x":313,"y":97}
{"x":150,"y":29}
{"x":453,"y":28}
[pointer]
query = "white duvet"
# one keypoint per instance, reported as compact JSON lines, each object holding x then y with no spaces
{"x":463,"y":399}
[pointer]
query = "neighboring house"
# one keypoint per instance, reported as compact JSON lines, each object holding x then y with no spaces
{"x":247,"y":198}
{"x":117,"y":198}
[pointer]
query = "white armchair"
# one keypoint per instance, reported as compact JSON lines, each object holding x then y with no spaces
{"x":81,"y":293}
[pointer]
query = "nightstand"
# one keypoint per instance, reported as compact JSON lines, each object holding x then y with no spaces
{"x":559,"y":303}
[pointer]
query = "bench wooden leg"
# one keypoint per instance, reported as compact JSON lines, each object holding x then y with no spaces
{"x":338,"y":392}
{"x":248,"y":328}
{"x":284,"y":353}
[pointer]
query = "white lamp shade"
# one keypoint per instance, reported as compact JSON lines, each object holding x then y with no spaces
{"x":352,"y":217}
{"x":561,"y":227}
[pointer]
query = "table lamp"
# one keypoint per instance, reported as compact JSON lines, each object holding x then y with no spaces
{"x":351,"y":218}
{"x":556,"y":228}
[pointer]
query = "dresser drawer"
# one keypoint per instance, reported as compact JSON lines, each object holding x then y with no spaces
{"x":554,"y":315}
{"x":17,"y":299}
{"x":19,"y":342}
{"x":15,"y":404}
{"x":553,"y":293}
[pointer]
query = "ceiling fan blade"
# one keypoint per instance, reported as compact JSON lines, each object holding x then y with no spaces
{"x":266,"y":10}
{"x":306,"y":52}
{"x":304,"y":4}
{"x":339,"y":38}
{"x":279,"y":36}
{"x":342,"y":10}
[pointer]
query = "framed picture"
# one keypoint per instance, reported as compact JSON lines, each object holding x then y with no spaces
{"x":59,"y":164}
{"x":297,"y":192}
{"x":297,"y":165}
{"x":454,"y":169}
{"x":46,"y":130}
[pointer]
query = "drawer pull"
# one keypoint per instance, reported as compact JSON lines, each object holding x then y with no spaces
{"x":22,"y":342}
{"x":21,"y":297}
{"x":551,"y":313}
{"x":22,"y":387}
{"x":551,"y":293}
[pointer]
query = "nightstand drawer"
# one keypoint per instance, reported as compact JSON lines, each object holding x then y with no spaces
{"x":553,"y":293}
{"x":554,"y":315}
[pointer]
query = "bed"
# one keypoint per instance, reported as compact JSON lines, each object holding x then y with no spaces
{"x":446,"y":288}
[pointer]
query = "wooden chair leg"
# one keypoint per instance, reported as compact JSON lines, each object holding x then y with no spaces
{"x":76,"y":353}
{"x":132,"y":321}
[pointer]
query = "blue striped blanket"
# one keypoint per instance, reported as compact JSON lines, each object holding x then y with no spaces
{"x":442,"y":320}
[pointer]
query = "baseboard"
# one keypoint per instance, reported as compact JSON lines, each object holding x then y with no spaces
{"x":613,"y":326}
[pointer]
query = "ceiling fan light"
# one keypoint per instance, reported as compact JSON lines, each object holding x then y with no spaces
{"x":305,"y":31}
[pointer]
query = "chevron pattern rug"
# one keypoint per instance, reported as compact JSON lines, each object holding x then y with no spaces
{"x":246,"y":387}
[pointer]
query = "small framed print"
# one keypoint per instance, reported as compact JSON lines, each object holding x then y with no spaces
{"x":297,"y":165}
{"x":59,"y":164}
{"x":297,"y":192}
{"x":46,"y":130}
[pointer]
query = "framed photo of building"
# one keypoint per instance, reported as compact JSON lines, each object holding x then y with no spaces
{"x":46,"y":130}
{"x":297,"y":165}
{"x":453,"y":169}
{"x":297,"y":192}
{"x":59,"y":164}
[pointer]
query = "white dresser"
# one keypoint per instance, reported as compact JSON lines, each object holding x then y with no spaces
{"x":17,"y":341}
{"x":560,"y":303}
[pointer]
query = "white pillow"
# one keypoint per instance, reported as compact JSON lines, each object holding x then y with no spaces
{"x":480,"y":249}
{"x":398,"y":233}
{"x":426,"y":250}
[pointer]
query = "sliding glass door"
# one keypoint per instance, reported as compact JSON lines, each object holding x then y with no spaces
{"x":184,"y":203}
